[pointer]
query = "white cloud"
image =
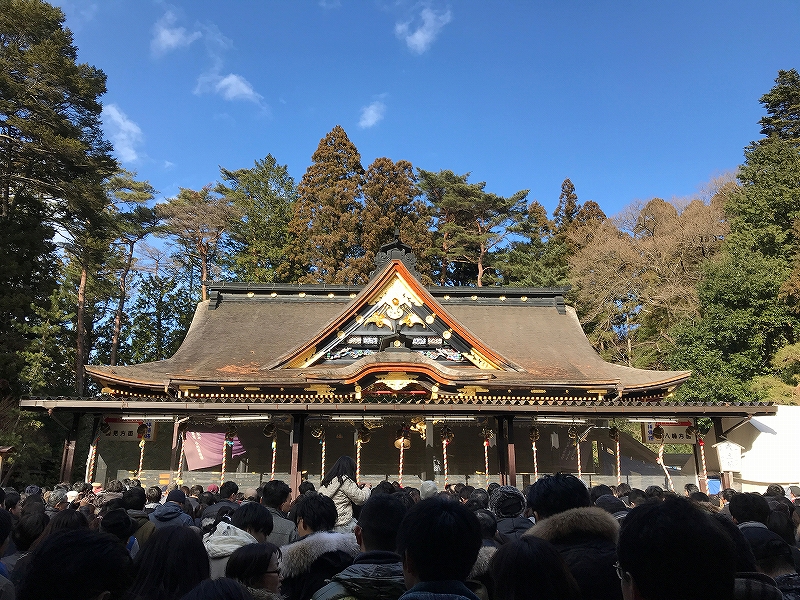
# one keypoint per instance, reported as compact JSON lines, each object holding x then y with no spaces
{"x":124,"y":133}
{"x":166,"y":37}
{"x":372,"y":114}
{"x":168,"y":165}
{"x":421,"y":38}
{"x":230,"y":87}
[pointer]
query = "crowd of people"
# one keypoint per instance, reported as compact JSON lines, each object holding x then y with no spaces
{"x":556,"y":540}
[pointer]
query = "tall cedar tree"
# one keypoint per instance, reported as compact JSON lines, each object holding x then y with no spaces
{"x":745,"y":319}
{"x":52,"y":159}
{"x":567,"y":208}
{"x":198,"y":220}
{"x":263,"y":196}
{"x":325,"y":229}
{"x":393,"y":200}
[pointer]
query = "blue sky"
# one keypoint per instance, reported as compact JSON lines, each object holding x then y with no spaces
{"x":630,"y":100}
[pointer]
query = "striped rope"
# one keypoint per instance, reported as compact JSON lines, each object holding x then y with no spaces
{"x":444,"y":461}
{"x":535,"y":462}
{"x":224,"y":462}
{"x":141,"y":459}
{"x":402,"y":450}
{"x":578,"y":446}
{"x":274,"y":456}
{"x":92,"y":460}
{"x":703,"y":462}
{"x":322,"y":467}
{"x":660,"y":461}
{"x":619,"y":465}
{"x":486,"y":459}
{"x":179,"y":479}
{"x":358,"y":461}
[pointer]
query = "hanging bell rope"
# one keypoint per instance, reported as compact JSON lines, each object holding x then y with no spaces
{"x":141,"y":431}
{"x":533,"y":434}
{"x":487,"y":435}
{"x":92,"y":460}
{"x":613,"y":433}
{"x":402,"y":441}
{"x":319,"y":433}
{"x":358,"y":461}
{"x":658,"y":434}
{"x":447,"y":437}
{"x":572,"y":432}
{"x":229,"y":435}
{"x":402,"y":448}
{"x":179,"y":479}
{"x":702,"y":445}
{"x":274,"y":458}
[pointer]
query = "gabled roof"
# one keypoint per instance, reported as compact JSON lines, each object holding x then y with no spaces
{"x":392,"y":333}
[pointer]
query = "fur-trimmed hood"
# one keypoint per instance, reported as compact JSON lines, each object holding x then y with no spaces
{"x":225,"y":539}
{"x":481,"y":566}
{"x":298,"y":556}
{"x":587,"y":521}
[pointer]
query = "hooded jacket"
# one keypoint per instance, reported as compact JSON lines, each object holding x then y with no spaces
{"x":344,"y":496}
{"x":587,"y":540}
{"x":307,"y":563}
{"x":221,"y":543}
{"x":375,"y":575}
{"x":170,"y":514}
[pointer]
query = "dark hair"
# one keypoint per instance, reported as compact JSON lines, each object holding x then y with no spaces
{"x":749,"y":506}
{"x":699,"y":497}
{"x":11,"y":500}
{"x":727,"y":494}
{"x":223,"y":588}
{"x":488,"y":522}
{"x":115,"y":486}
{"x":170,"y":564}
{"x":32,"y":504}
{"x":228,"y":489}
{"x":441,"y":539}
{"x":775,"y":490}
{"x":654,"y":491}
{"x":134,"y":498}
{"x":690,"y":488}
{"x":305,"y":486}
{"x":28,"y":529}
{"x":553,"y":494}
{"x":465,"y":492}
{"x":780,"y":523}
{"x":379,"y":520}
{"x":249,"y":563}
{"x":77,"y":564}
{"x":6,"y":523}
{"x":317,"y":511}
{"x":384,"y":487}
{"x":274,"y":493}
{"x":195,"y":490}
{"x":745,"y":560}
{"x":480,"y":497}
{"x":343,"y":467}
{"x":254,"y":516}
{"x":522,"y":566}
{"x":153,"y":494}
{"x":61,"y":521}
{"x":599,"y":490}
{"x":637,"y":496}
{"x":659,"y":546}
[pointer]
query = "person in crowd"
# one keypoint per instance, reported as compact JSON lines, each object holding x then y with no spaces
{"x":56,"y":501}
{"x":689,"y":489}
{"x":171,"y":513}
{"x":585,"y":535}
{"x":749,"y":510}
{"x":654,"y":492}
{"x":774,"y":558}
{"x":622,"y":490}
{"x":726,"y":495}
{"x":193,"y":497}
{"x":77,"y":564}
{"x":275,"y":495}
{"x":319,"y":553}
{"x":134,"y":500}
{"x":599,"y":490}
{"x":775,"y":490}
{"x":340,"y":485}
{"x":479,"y":499}
{"x":25,"y":532}
{"x":439,"y":542}
{"x":117,"y":522}
{"x":508,"y":504}
{"x":227,"y":494}
{"x":612,"y":505}
{"x":6,"y":587}
{"x":528,"y":564}
{"x":170,"y":565}
{"x":673,"y":549}
{"x":153,"y":495}
{"x":219,"y":589}
{"x":251,"y":523}
{"x":257,"y":567}
{"x":700,"y":497}
{"x":636,"y":497}
{"x":377,"y":571}
{"x":13,"y":505}
{"x":490,"y":543}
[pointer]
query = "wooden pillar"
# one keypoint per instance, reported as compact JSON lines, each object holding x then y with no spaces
{"x":512,"y":456}
{"x":68,"y":455}
{"x":296,"y":475}
{"x":502,"y":450}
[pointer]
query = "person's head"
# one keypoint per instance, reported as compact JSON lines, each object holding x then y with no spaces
{"x":775,"y":490}
{"x":134,"y":498}
{"x":654,"y":492}
{"x":12,"y":503}
{"x":28,"y":529}
{"x":77,"y":564}
{"x":115,"y":486}
{"x":727,"y":494}
{"x":63,"y":520}
{"x":611,"y":504}
{"x":177,"y":496}
{"x":256,"y":566}
{"x":527,"y":564}
{"x":314,"y":512}
{"x":32,"y":504}
{"x":488,"y":523}
{"x":773,"y":555}
{"x":749,"y":506}
{"x":275,"y":494}
{"x":378,"y":522}
{"x":479,"y":498}
{"x":699,"y":497}
{"x":228,"y":490}
{"x":172,"y":562}
{"x":599,"y":490}
{"x":637,"y":497}
{"x":223,"y":588}
{"x":253,"y":518}
{"x":690,"y":489}
{"x":195,"y":491}
{"x":438,"y":540}
{"x":623,"y":489}
{"x":781,"y":523}
{"x":553,"y":494}
{"x":659,"y":546}
{"x":343,"y":467}
{"x":153,"y":494}
{"x":57,"y":499}
{"x":745,"y":561}
{"x":305,"y":487}
{"x":507,"y":502}
{"x":118,"y":523}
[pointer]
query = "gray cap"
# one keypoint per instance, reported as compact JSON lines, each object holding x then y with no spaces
{"x":427,"y":489}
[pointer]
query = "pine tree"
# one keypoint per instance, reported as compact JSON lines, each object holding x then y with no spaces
{"x":325,"y":229}
{"x":567,"y":208}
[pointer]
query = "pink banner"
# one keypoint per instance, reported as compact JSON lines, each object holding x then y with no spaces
{"x":204,"y":449}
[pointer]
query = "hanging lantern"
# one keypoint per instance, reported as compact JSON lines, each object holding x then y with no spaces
{"x":533,"y":433}
{"x":658,"y":432}
{"x":269,"y":430}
